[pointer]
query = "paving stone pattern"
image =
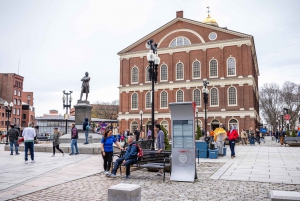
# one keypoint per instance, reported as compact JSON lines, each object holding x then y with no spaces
{"x":153,"y":188}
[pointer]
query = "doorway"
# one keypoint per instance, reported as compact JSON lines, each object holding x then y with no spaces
{"x":215,"y":124}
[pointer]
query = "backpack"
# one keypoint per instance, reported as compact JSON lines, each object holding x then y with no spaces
{"x":140,"y":151}
{"x":87,"y":127}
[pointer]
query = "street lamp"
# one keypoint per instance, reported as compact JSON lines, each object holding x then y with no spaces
{"x":205,"y":92}
{"x":65,"y":100}
{"x":154,"y":61}
{"x":286,"y":108}
{"x":197,"y":117}
{"x":281,"y":114}
{"x":141,"y":127}
{"x":8,"y":109}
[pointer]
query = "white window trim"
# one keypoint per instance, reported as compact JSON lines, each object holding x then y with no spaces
{"x":196,"y":78}
{"x":146,"y":100}
{"x":217,"y":97}
{"x":217,"y":68}
{"x":182,"y":71}
{"x":182,"y":95}
{"x":234,"y":67}
{"x":167,"y":100}
{"x":132,"y":123}
{"x":235,"y":96}
{"x":137,"y":101}
{"x":231,"y":123}
{"x":214,"y":119}
{"x":176,"y":41}
{"x":161,"y":73}
{"x":146,"y":74}
{"x":194,"y":97}
{"x":137,"y":75}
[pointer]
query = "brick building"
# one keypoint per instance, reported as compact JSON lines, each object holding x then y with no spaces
{"x":28,"y":111}
{"x":3,"y":118}
{"x":191,"y":51}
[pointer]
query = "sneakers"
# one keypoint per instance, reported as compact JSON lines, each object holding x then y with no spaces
{"x":26,"y":162}
{"x":159,"y":174}
{"x":17,"y":153}
{"x":63,"y":154}
{"x":127,"y":176}
{"x":112,"y":175}
{"x":71,"y":154}
{"x":11,"y":154}
{"x":33,"y":161}
{"x":107,"y":173}
{"x":76,"y":153}
{"x":53,"y":155}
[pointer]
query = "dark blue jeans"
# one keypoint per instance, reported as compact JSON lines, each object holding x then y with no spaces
{"x":13,"y":143}
{"x":127,"y":165}
{"x":29,"y":145}
{"x":86,"y":133}
{"x":231,"y":145}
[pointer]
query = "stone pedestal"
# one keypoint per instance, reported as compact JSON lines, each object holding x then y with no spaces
{"x":284,"y":195}
{"x":124,"y":192}
{"x":83,"y":109}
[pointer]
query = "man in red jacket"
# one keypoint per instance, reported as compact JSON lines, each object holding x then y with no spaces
{"x":232,"y":135}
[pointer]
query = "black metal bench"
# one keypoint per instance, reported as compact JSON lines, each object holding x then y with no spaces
{"x":43,"y":138}
{"x":291,"y":140}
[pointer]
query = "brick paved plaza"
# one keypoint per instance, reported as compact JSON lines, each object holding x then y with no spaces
{"x":250,"y":176}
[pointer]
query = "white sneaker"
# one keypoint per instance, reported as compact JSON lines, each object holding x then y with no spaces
{"x":106,"y":173}
{"x":53,"y":155}
{"x":33,"y":161}
{"x":159,"y":174}
{"x":26,"y":162}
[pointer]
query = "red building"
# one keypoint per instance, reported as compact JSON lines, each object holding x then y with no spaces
{"x":28,"y":111}
{"x":191,"y":51}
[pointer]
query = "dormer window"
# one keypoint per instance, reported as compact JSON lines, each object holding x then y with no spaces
{"x":180,"y":41}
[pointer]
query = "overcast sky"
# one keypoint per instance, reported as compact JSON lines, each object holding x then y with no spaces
{"x":57,"y":41}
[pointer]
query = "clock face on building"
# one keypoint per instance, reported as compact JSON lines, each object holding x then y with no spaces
{"x":212,"y":36}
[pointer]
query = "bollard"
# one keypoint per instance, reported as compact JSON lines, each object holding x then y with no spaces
{"x":124,"y":192}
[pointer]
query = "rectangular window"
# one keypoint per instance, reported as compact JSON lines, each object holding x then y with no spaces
{"x":14,"y":111}
{"x":16,"y":92}
{"x":18,"y":121}
{"x":24,"y":116}
{"x":15,"y":101}
{"x":18,"y":112}
{"x":19,"y":93}
{"x":19,"y":102}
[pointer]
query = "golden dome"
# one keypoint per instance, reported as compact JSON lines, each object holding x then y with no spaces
{"x":210,"y":21}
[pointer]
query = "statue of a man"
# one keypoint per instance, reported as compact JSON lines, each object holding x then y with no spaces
{"x":85,"y":88}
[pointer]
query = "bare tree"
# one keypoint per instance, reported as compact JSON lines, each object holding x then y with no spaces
{"x":105,"y":110}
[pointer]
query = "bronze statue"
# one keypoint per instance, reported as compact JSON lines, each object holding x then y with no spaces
{"x":85,"y":88}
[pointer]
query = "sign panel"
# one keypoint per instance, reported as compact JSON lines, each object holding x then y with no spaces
{"x":183,"y":141}
{"x":287,"y":117}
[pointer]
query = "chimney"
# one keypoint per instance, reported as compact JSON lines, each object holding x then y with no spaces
{"x":179,"y":14}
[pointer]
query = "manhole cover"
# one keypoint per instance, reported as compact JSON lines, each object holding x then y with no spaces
{"x":298,"y":168}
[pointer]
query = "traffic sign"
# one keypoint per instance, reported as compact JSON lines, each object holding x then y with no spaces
{"x":287,"y":122}
{"x":287,"y":117}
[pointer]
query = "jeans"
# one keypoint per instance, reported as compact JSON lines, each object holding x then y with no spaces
{"x":262,"y":139}
{"x":86,"y":133}
{"x":13,"y":143}
{"x":252,"y":141}
{"x":127,"y":165}
{"x":232,"y":144}
{"x":30,"y":146}
{"x":74,"y":144}
{"x":244,"y":141}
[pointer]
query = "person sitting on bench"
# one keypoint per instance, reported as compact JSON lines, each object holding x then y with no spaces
{"x":129,"y":158}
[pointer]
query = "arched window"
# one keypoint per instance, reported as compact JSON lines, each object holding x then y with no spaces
{"x":196,"y":69}
{"x":165,"y":124}
{"x":163,"y":99}
{"x":234,"y":123}
{"x":232,"y":96}
{"x":231,"y":66}
{"x":179,"y":96}
{"x":147,"y":78}
{"x":134,"y":75}
{"x":134,"y":126}
{"x":197,"y":97}
{"x":213,"y":68}
{"x":215,"y":123}
{"x":199,"y":124}
{"x":214,"y":97}
{"x":179,"y":71}
{"x":180,"y":41}
{"x":134,"y":101}
{"x":148,"y":100}
{"x":164,"y":73}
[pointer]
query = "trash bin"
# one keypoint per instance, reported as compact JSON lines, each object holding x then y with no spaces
{"x":213,"y":153}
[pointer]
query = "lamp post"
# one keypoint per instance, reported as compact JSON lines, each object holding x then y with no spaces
{"x":65,"y":100}
{"x":197,"y":117}
{"x":205,"y":92}
{"x":141,"y":127}
{"x":8,"y":109}
{"x":281,"y":114}
{"x":154,"y":61}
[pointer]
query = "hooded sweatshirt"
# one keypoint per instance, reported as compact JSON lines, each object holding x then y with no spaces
{"x":86,"y":122}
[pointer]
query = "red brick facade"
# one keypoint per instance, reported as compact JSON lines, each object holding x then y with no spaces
{"x":228,"y":46}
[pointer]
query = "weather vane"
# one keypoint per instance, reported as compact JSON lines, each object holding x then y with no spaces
{"x":208,"y":11}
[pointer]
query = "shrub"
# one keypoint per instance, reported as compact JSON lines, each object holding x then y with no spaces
{"x":199,"y":133}
{"x":167,"y":143}
{"x":288,"y":133}
{"x":294,"y":134}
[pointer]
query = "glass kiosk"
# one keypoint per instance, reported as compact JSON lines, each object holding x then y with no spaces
{"x":183,"y":141}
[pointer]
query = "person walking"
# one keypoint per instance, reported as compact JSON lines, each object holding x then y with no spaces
{"x":232,"y":136}
{"x":251,"y":136}
{"x":29,"y":134}
{"x":130,"y":157}
{"x":262,"y":138}
{"x":244,"y":137}
{"x":74,"y":138}
{"x":281,"y":136}
{"x":149,"y":134}
{"x":277,"y":136}
{"x":137,"y":135}
{"x":13,"y":135}
{"x":56,"y":142}
{"x":107,"y":150}
{"x":160,"y":142}
{"x":257,"y":132}
{"x":86,"y":128}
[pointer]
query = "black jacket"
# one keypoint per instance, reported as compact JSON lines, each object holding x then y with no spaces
{"x":85,"y":123}
{"x":13,"y":134}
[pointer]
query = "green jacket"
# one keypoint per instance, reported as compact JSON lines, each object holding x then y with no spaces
{"x":56,"y":140}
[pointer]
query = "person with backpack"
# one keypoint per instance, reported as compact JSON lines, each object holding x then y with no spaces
{"x":107,"y":149}
{"x":86,"y":127}
{"x":160,"y":143}
{"x":129,"y":158}
{"x":74,"y":138}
